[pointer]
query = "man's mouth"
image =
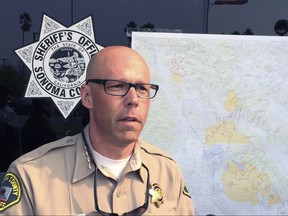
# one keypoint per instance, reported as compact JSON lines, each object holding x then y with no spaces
{"x":131,"y":119}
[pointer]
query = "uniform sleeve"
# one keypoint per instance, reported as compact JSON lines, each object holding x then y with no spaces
{"x":185,"y":206}
{"x":14,"y":195}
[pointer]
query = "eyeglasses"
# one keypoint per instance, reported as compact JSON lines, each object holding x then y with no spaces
{"x":121,"y":88}
{"x":138,"y":211}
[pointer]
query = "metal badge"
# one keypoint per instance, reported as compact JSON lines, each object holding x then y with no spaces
{"x":87,"y":157}
{"x":157,"y":194}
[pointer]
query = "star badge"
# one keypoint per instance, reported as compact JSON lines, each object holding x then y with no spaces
{"x":58,"y":62}
{"x":157,"y":194}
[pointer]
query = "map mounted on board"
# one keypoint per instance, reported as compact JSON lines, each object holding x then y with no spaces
{"x":222,"y":115}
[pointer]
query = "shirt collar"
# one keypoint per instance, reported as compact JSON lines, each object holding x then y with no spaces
{"x":84,"y":166}
{"x":135,"y":160}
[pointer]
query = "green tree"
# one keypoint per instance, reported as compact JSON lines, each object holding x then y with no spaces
{"x":149,"y":26}
{"x":128,"y":30}
{"x":25,"y":21}
{"x":248,"y":31}
{"x":235,"y":33}
{"x":130,"y":25}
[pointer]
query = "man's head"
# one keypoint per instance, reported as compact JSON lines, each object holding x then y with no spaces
{"x":116,"y":119}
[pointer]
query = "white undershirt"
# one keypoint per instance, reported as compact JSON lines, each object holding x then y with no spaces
{"x":114,"y":166}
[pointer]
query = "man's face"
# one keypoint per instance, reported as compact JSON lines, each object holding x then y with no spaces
{"x":120,"y":119}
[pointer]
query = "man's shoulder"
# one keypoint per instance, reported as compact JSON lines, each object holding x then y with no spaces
{"x":52,"y":148}
{"x":154,"y":150}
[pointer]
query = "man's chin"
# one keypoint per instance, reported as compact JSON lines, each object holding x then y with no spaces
{"x":128,"y":139}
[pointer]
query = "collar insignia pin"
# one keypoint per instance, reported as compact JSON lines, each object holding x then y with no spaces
{"x":87,"y":157}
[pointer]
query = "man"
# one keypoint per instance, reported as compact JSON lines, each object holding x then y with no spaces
{"x":106,"y":169}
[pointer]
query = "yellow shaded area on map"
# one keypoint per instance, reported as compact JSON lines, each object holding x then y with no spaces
{"x":176,"y":70}
{"x":247,"y":184}
{"x":231,"y":103}
{"x":225,"y":130}
{"x":176,"y":78}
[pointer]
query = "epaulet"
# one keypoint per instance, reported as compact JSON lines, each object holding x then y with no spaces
{"x":41,"y":151}
{"x":153,"y":150}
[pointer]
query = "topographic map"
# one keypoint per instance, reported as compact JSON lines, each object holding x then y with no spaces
{"x":222,"y":113}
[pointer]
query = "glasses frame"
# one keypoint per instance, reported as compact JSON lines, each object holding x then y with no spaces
{"x":136,"y":85}
{"x":139,"y":210}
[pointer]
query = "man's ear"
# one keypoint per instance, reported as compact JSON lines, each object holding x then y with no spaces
{"x":86,"y":96}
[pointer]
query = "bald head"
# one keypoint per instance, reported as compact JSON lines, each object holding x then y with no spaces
{"x":107,"y":59}
{"x":110,"y":113}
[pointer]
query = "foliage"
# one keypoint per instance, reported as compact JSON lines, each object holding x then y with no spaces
{"x":148,"y":26}
{"x":133,"y":25}
{"x":248,"y":31}
{"x":25,"y":20}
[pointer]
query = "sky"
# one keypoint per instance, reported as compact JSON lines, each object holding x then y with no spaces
{"x":258,"y":15}
{"x":110,"y":17}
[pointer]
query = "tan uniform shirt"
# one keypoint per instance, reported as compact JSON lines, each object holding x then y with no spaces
{"x":55,"y":179}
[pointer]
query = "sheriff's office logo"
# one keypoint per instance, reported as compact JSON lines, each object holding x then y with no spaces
{"x":58,"y":62}
{"x":10,"y":191}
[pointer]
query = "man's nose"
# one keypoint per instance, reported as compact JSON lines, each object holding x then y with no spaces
{"x":132,"y":97}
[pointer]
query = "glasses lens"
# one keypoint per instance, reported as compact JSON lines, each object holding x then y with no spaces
{"x":143,"y":90}
{"x":115,"y":87}
{"x":146,"y":90}
{"x":120,"y":88}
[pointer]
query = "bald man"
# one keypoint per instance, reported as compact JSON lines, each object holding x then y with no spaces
{"x":106,"y":168}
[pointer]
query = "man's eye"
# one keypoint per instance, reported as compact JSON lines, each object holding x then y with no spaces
{"x":116,"y":86}
{"x":142,"y":88}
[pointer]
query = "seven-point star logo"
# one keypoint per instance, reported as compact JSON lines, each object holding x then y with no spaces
{"x":58,"y":62}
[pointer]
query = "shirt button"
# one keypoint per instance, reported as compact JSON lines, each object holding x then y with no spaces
{"x":118,"y":194}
